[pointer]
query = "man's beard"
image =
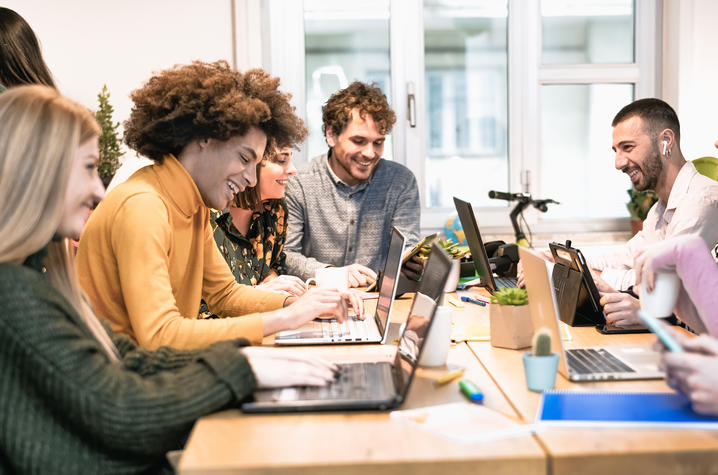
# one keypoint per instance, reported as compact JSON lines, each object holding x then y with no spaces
{"x":651,"y":169}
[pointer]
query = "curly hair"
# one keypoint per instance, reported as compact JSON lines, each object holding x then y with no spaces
{"x":367,"y":98}
{"x":208,"y":100}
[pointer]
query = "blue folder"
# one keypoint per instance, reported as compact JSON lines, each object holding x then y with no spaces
{"x":575,"y":408}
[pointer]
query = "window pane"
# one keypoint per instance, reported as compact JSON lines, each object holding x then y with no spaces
{"x":587,"y":31}
{"x":344,"y":42}
{"x":577,"y":164}
{"x":466,"y":100}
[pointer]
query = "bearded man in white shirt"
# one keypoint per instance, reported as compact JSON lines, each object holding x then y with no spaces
{"x":646,"y":137}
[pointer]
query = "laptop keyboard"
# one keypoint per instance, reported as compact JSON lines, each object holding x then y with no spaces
{"x":509,"y":282}
{"x":350,"y":381}
{"x":352,"y":328}
{"x":595,"y":360}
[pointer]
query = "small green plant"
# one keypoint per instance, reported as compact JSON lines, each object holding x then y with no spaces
{"x":452,"y":249}
{"x":109,"y":141}
{"x":510,"y":296}
{"x":542,"y":342}
{"x":640,"y":203}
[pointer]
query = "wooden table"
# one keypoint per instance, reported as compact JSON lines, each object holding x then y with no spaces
{"x":361,"y":443}
{"x":600,"y":451}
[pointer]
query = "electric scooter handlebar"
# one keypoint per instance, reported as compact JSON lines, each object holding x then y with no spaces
{"x":523,"y":198}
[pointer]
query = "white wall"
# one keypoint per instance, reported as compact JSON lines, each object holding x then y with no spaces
{"x":88,"y":43}
{"x":690,"y":71}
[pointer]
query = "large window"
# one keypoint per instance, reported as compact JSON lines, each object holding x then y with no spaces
{"x":465,"y":60}
{"x":343,"y":43}
{"x":506,"y":95}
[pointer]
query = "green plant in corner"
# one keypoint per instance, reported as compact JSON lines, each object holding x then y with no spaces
{"x":542,"y":342}
{"x":109,"y":141}
{"x":640,"y":202}
{"x":510,"y":296}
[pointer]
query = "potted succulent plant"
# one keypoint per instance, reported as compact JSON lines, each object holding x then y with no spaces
{"x":540,"y":364}
{"x":638,"y":205}
{"x":510,"y":323}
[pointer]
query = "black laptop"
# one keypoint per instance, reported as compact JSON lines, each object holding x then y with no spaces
{"x":380,"y":385}
{"x":478,"y":251}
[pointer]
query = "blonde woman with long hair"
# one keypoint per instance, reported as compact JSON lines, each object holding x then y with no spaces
{"x":74,"y":397}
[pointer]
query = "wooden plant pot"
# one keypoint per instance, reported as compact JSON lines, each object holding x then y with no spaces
{"x":510,"y":326}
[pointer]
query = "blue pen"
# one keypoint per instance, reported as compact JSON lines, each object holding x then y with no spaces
{"x":471,"y":391}
{"x":464,"y":298}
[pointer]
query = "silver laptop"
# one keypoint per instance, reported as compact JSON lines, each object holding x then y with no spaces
{"x":373,"y":329}
{"x":478,"y":251}
{"x":380,"y":385}
{"x":581,"y":364}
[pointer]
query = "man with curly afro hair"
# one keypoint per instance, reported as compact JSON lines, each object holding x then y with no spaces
{"x":147,"y":257}
{"x":343,"y":204}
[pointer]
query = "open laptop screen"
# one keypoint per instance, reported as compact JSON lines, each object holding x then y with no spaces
{"x":420,"y":315}
{"x":389,"y":280}
{"x":476,"y":245}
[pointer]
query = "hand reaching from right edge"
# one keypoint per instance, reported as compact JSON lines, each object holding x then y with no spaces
{"x":276,"y":368}
{"x":695,"y":371}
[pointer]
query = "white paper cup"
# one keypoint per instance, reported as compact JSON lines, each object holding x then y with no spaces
{"x":660,"y":302}
{"x":330,"y":278}
{"x":436,"y":346}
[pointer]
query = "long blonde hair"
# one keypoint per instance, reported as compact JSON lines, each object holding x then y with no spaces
{"x":40,"y":132}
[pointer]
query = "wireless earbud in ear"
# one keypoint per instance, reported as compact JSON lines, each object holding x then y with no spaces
{"x":665,"y":146}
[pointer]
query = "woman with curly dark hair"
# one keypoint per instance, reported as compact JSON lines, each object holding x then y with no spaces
{"x":147,"y":257}
{"x":251,"y":233}
{"x":20,"y":57}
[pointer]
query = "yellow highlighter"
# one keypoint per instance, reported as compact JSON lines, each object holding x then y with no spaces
{"x":448,"y":377}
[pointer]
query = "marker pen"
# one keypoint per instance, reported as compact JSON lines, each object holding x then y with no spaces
{"x":474,"y":301}
{"x":471,"y":391}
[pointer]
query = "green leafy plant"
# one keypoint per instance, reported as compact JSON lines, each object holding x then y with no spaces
{"x":510,"y":296}
{"x":542,"y":342}
{"x":640,"y":202}
{"x":109,"y":141}
{"x":452,"y":249}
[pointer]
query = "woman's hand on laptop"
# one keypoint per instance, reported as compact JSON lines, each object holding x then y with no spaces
{"x":276,"y":368}
{"x":354,"y":300}
{"x":359,"y":275}
{"x":317,"y":302}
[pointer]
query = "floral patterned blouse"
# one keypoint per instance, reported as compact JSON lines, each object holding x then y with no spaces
{"x":252,"y":257}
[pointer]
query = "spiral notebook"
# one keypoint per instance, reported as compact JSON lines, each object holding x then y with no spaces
{"x":618,"y":409}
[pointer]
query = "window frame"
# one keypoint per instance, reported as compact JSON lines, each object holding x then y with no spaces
{"x":285,"y":58}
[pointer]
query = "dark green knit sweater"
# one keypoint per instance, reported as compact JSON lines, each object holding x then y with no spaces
{"x":65,"y":408}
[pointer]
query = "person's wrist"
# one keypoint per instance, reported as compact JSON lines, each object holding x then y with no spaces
{"x":289,"y":301}
{"x":275,"y":321}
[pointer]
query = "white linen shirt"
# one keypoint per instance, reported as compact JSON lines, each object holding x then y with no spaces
{"x":692,"y":208}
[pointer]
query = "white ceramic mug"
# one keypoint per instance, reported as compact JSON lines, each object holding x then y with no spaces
{"x":330,"y":278}
{"x":661,"y":301}
{"x":436,"y":346}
